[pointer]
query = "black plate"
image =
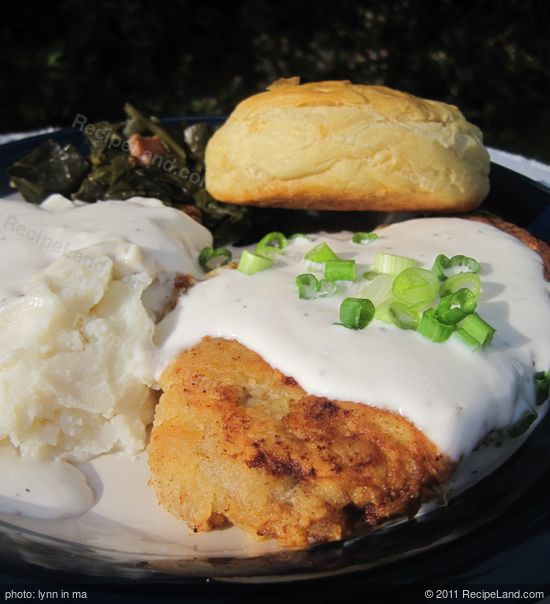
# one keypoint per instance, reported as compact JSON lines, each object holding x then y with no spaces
{"x":494,"y":520}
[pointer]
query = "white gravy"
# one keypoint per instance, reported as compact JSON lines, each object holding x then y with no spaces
{"x":33,"y":236}
{"x":454,"y":395}
{"x":41,"y":489}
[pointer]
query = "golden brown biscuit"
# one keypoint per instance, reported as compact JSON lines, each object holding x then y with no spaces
{"x":343,"y":146}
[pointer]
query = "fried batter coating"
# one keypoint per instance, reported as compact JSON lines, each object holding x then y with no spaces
{"x":236,"y":440}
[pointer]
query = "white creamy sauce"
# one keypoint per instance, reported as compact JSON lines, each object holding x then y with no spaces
{"x":127,"y":518}
{"x":454,"y":395}
{"x":41,"y":489}
{"x":31,"y":236}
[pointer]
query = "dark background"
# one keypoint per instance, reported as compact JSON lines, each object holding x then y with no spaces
{"x":490,"y":58}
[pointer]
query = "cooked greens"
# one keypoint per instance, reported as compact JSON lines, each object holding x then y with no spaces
{"x":136,"y":157}
{"x":48,"y":169}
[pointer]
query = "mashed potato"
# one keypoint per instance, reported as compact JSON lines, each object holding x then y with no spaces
{"x":81,"y":287}
{"x":73,"y":347}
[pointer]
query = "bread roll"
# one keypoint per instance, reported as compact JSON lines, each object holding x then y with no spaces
{"x":343,"y":146}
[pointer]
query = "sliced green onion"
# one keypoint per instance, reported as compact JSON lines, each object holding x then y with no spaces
{"x":456,"y":306}
{"x":470,"y":281}
{"x":251,"y":263}
{"x":470,"y":265}
{"x":432,"y":328}
{"x":340,"y":270}
{"x":271,"y":245}
{"x":379,"y":289}
{"x":364,"y":238}
{"x":403,"y":315}
{"x":382,"y":312}
{"x":308,"y":286}
{"x":469,"y":340}
{"x":322,"y":252}
{"x":389,"y":263}
{"x":369,"y":275}
{"x":356,"y":313}
{"x":478,"y":329}
{"x":542,"y":385}
{"x":298,"y":236}
{"x":210,"y":258}
{"x":523,"y":423}
{"x":414,"y":285}
{"x":443,"y":265}
{"x":328,"y":288}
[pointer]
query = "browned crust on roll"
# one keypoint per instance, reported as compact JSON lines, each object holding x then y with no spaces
{"x":282,"y":195}
{"x":236,"y":440}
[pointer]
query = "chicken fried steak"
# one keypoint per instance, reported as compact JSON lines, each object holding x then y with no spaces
{"x":236,"y":440}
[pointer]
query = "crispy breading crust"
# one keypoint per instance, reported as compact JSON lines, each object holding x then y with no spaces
{"x":236,"y":439}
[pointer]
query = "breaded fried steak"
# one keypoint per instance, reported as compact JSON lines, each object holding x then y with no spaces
{"x":236,"y":440}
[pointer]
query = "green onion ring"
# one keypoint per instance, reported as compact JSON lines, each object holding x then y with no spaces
{"x":321,"y":253}
{"x":390,"y":263}
{"x":308,"y":286}
{"x":415,"y":285}
{"x":478,"y":329}
{"x":356,"y":313}
{"x":444,"y":263}
{"x":363,"y":238}
{"x":251,"y":263}
{"x":454,"y":307}
{"x":433,"y":328}
{"x":208,"y":254}
{"x":271,"y":245}
{"x":403,"y":315}
{"x":470,"y":281}
{"x":340,"y":270}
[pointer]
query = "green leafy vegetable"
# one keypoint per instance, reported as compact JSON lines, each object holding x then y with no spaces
{"x":48,"y":169}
